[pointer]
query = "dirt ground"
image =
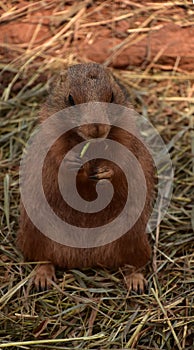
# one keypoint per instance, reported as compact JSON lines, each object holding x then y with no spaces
{"x":149,"y":46}
{"x":117,"y":33}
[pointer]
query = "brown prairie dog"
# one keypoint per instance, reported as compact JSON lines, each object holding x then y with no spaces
{"x":80,"y":84}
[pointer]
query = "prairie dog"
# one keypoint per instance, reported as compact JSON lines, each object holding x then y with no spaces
{"x":80,"y":84}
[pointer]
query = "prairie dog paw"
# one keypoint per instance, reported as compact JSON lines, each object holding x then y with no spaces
{"x":73,"y":162}
{"x":136,"y":282}
{"x":45,"y":274}
{"x":103,"y":173}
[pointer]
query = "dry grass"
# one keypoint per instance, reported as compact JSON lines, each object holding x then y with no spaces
{"x":91,"y":309}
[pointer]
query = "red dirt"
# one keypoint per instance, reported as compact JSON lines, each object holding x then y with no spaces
{"x":167,"y":43}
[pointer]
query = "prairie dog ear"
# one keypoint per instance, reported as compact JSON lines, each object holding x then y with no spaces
{"x":109,"y":71}
{"x":114,"y":80}
{"x":56,"y":81}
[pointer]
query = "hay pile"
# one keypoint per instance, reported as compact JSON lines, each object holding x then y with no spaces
{"x":91,"y":309}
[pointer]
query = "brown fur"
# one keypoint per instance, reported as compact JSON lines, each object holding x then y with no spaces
{"x":88,"y":82}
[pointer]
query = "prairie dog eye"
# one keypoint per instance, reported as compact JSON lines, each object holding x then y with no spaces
{"x":71,"y":100}
{"x":112,"y":98}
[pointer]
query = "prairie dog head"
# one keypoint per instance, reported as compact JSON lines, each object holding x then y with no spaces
{"x":83,"y":83}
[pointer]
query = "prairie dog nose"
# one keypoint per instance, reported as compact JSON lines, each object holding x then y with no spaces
{"x":100,"y":130}
{"x":95,"y":130}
